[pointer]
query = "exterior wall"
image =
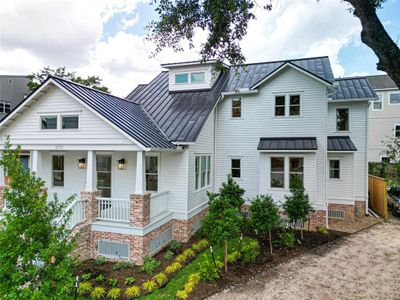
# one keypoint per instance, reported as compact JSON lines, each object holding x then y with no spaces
{"x":13,"y":89}
{"x":381,"y":125}
{"x":341,"y":190}
{"x":240,"y":137}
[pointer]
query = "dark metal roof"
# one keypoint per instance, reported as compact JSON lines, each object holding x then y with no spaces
{"x":180,"y":115}
{"x":352,"y":88}
{"x":381,"y":82}
{"x":128,"y":116}
{"x":288,"y":143}
{"x":249,"y":75}
{"x":13,"y":89}
{"x":136,"y":90}
{"x":340,"y":143}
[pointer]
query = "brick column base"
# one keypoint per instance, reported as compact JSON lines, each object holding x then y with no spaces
{"x":361,"y":209}
{"x":140,"y":209}
{"x":91,"y":208}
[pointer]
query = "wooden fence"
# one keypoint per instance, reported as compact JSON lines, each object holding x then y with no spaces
{"x":377,"y":195}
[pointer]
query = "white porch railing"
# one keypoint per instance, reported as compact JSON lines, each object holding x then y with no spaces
{"x":158,"y":203}
{"x":111,"y":209}
{"x":77,"y":208}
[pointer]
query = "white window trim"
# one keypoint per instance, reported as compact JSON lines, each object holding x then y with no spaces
{"x":285,"y":173}
{"x":394,"y":129}
{"x":71,"y":115}
{"x":287,"y":104}
{"x":391,"y":93}
{"x":197,"y":72}
{"x":182,"y":73}
{"x":241,"y":109}
{"x":52,"y":170}
{"x":329,"y":168}
{"x":348,"y":121}
{"x":206,"y":186}
{"x":59,"y":120}
{"x":189,"y":73}
{"x":381,"y":96}
{"x":241,"y":167}
{"x":112,"y":169}
{"x":158,"y":172}
{"x":48,"y":115}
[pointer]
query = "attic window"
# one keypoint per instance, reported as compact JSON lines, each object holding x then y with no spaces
{"x":182,"y":78}
{"x":197,"y":77}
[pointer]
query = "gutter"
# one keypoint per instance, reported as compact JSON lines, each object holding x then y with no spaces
{"x":245,"y":91}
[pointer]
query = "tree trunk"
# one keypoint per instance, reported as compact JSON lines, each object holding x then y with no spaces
{"x":301,"y":232}
{"x":226,"y":255}
{"x":374,"y":35}
{"x":270,"y":241}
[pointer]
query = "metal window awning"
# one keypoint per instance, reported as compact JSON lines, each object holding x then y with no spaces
{"x":290,"y":144}
{"x":340,"y":144}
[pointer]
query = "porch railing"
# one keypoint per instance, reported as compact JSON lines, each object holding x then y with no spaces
{"x":158,"y":203}
{"x":111,"y":209}
{"x":76,"y":212}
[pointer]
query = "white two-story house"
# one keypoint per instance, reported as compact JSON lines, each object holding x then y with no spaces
{"x":141,"y":167}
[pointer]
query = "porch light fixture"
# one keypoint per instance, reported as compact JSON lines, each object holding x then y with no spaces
{"x":82,"y":163}
{"x":121,"y":164}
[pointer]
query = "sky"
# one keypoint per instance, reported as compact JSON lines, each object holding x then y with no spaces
{"x":107,"y":38}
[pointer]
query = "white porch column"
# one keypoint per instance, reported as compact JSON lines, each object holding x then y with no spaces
{"x":140,"y":170}
{"x":34,"y":161}
{"x":90,"y":169}
{"x":2,"y":178}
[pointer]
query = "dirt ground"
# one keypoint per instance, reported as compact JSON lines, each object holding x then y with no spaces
{"x":365,"y":265}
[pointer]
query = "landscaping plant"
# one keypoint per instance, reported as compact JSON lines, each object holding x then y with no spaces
{"x":35,"y":246}
{"x":114,"y":293}
{"x":174,"y":267}
{"x":100,"y":260}
{"x":210,"y":272}
{"x":85,"y":288}
{"x":286,"y":239}
{"x":250,"y":251}
{"x":264,"y":216}
{"x":132,"y":292}
{"x":160,"y":278}
{"x":322,"y":230}
{"x":98,"y":293}
{"x":168,"y":255}
{"x":100,"y":278}
{"x":112,"y":281}
{"x":149,"y":286}
{"x":175,"y":246}
{"x":86,"y":276}
{"x":122,"y":265}
{"x":297,"y":206}
{"x":150,"y":264}
{"x":129,"y":280}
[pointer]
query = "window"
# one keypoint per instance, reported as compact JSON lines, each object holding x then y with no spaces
{"x":103,"y":168}
{"x":342,"y":119}
{"x":152,"y":173}
{"x":294,"y":105}
{"x":48,"y":122}
{"x":236,"y":108}
{"x":235,"y":167}
{"x":397,"y":130}
{"x":385,"y":160}
{"x":202,"y":171}
{"x":278,"y":172}
{"x":378,"y":104}
{"x":182,"y":78}
{"x":5,"y":107}
{"x":197,"y":77}
{"x":296,"y":169}
{"x":394,"y":98}
{"x":279,"y":105}
{"x":69,"y":122}
{"x":334,"y":169}
{"x":58,"y":170}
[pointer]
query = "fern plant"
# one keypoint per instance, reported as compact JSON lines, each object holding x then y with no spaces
{"x":98,"y":293}
{"x":132,"y":291}
{"x":86,"y":276}
{"x":100,"y":278}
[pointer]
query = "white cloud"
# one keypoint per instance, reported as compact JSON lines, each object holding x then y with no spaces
{"x":127,"y":23}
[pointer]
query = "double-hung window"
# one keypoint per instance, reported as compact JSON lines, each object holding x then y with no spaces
{"x":58,"y":170}
{"x":277,"y":172}
{"x":294,"y":105}
{"x":236,"y":167}
{"x":287,"y":105}
{"x":280,"y":106}
{"x":342,"y":119}
{"x":202,"y":171}
{"x":236,"y":108}
{"x":334,"y":169}
{"x":397,"y":130}
{"x":296,"y":169}
{"x":152,"y":173}
{"x":377,"y":105}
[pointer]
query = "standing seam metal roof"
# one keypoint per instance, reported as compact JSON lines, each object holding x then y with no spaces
{"x":352,"y":88}
{"x":288,"y":143}
{"x":381,"y":82}
{"x":340,"y":143}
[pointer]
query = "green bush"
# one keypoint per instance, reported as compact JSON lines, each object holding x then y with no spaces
{"x":114,"y":293}
{"x":86,"y":277}
{"x":168,"y":255}
{"x":98,"y":293}
{"x":129,"y":280}
{"x":122,"y":265}
{"x":100,"y":260}
{"x":175,"y":246}
{"x":234,"y":256}
{"x":132,"y":292}
{"x":286,"y":239}
{"x":100,"y":278}
{"x":322,"y":230}
{"x":208,"y":271}
{"x":149,"y":265}
{"x":250,"y":251}
{"x":112,"y":281}
{"x":200,"y":245}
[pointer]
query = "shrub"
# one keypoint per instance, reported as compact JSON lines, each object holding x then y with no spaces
{"x":129,"y":280}
{"x":182,"y":294}
{"x":250,"y":251}
{"x":180,"y":258}
{"x":112,"y":281}
{"x":98,"y":293}
{"x":287,"y":239}
{"x":160,"y":278}
{"x":149,"y":265}
{"x":86,"y":277}
{"x":189,"y":253}
{"x":85,"y":288}
{"x":149,"y":286}
{"x":264,"y":216}
{"x":132,"y":291}
{"x":232,"y":257}
{"x":172,"y":268}
{"x":195,"y":277}
{"x":168,"y":255}
{"x":209,"y":272}
{"x":203,"y":244}
{"x":175,"y":246}
{"x":100,"y":260}
{"x":100,"y":278}
{"x":189,"y":286}
{"x":114,"y":293}
{"x":297,"y":206}
{"x":122,"y":265}
{"x":322,"y":230}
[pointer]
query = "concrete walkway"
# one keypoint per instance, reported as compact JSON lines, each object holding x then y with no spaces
{"x":365,"y":265}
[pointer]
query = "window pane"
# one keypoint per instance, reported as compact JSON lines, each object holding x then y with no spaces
{"x":334,"y":174}
{"x":377,"y":105}
{"x":299,"y":176}
{"x":103,"y":163}
{"x":151,"y":182}
{"x":397,"y":131}
{"x":294,"y":100}
{"x":7,"y":107}
{"x":277,"y":180}
{"x":70,"y":122}
{"x":49,"y":122}
{"x":181,"y":78}
{"x":236,"y":108}
{"x":342,"y":119}
{"x":395,"y":98}
{"x":280,"y":100}
{"x":58,"y":178}
{"x":334,"y":169}
{"x":236,"y":173}
{"x":203,"y":179}
{"x":296,"y":164}
{"x":203,"y":163}
{"x":151,"y":164}
{"x":197,"y":77}
{"x":58,"y":162}
{"x":105,"y":192}
{"x":334,"y":164}
{"x":236,"y":163}
{"x":277,"y":164}
{"x":294,"y":110}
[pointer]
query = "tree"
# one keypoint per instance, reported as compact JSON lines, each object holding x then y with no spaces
{"x":35,"y":261}
{"x":392,"y":151}
{"x":265,"y":215}
{"x":35,"y":79}
{"x":226,"y":23}
{"x":297,"y":206}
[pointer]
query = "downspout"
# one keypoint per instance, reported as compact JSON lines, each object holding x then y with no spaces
{"x":366,"y":159}
{"x":215,"y":145}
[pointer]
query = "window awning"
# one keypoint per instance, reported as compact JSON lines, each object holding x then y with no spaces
{"x":340,"y":143}
{"x":288,"y":144}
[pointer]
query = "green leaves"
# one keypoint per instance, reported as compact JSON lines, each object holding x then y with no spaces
{"x":264,"y":214}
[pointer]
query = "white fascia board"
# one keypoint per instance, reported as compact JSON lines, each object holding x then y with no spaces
{"x":239,"y":92}
{"x":288,"y":151}
{"x":351,"y":100}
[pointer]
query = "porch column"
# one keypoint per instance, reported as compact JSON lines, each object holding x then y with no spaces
{"x":90,"y":169}
{"x":34,"y":161}
{"x":140,"y":170}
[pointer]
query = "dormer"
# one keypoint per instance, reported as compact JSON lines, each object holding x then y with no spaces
{"x":193,"y":75}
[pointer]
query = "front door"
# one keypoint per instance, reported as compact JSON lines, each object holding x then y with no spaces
{"x":103,"y":169}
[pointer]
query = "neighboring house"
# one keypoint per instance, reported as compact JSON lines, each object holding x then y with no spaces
{"x":142,"y":166}
{"x":13,"y":89}
{"x":384,"y":116}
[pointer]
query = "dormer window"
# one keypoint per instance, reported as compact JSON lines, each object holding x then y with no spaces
{"x":197,"y":77}
{"x":190,"y":77}
{"x":182,"y":78}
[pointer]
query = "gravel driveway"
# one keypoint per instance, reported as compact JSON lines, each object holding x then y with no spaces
{"x":365,"y":265}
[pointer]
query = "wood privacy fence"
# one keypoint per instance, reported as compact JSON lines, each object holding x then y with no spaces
{"x":377,"y":195}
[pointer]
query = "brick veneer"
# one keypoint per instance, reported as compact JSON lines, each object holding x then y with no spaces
{"x":361,"y":208}
{"x":347,"y":208}
{"x":182,"y":229}
{"x":140,"y":209}
{"x":318,"y":219}
{"x":91,"y":208}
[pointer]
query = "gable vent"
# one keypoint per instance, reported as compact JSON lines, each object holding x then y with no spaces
{"x":113,"y":249}
{"x":337,"y":214}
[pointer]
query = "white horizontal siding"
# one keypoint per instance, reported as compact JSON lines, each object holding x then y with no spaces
{"x":341,"y":189}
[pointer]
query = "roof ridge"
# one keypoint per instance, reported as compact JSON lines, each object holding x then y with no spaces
{"x":351,"y":77}
{"x":278,"y":61}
